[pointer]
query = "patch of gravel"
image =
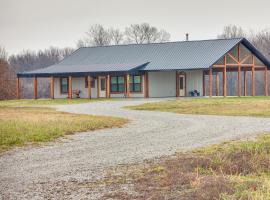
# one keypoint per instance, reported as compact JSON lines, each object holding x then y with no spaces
{"x":68,"y":169}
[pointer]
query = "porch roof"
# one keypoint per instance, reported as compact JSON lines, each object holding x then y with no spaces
{"x":146,"y":57}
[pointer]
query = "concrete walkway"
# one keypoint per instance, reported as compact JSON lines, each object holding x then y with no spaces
{"x":51,"y":171}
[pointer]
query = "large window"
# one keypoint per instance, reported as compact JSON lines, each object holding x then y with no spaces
{"x":117,"y":84}
{"x":135,"y":83}
{"x":93,"y":81}
{"x":64,"y":85}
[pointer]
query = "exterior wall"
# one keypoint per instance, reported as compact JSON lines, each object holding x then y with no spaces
{"x":194,"y":81}
{"x":162,"y":84}
{"x":57,"y":93}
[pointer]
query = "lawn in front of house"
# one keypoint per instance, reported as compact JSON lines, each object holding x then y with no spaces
{"x":230,"y":106}
{"x":229,"y":171}
{"x":31,"y":125}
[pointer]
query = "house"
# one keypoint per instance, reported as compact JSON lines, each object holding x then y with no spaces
{"x":172,"y":69}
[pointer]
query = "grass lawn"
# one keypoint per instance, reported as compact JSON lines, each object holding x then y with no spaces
{"x":234,"y":106}
{"x":31,"y":125}
{"x":230,"y":171}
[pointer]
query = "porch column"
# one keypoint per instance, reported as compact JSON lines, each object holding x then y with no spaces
{"x":108,"y":94}
{"x":245,"y":82}
{"x":146,"y":86}
{"x":70,"y":87}
{"x":265,"y":81}
{"x":52,"y":87}
{"x":35,"y":87}
{"x":253,"y":77}
{"x":89,"y":86}
{"x":18,"y":87}
{"x":217,"y":84}
{"x":239,"y":80}
{"x":210,"y":82}
{"x":225,"y":77}
{"x":127,"y":86}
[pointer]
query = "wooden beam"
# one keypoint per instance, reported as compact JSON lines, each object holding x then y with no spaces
{"x":217,"y":84}
{"x":177,"y":84}
{"x":89,"y":86}
{"x":70,"y":87}
{"x":146,"y":86}
{"x":247,"y":57}
{"x":35,"y":87}
{"x":253,"y":77}
{"x":239,"y":80}
{"x":232,"y":57}
{"x":98,"y":87}
{"x":245,"y":82}
{"x":127,"y":86}
{"x":225,"y":78}
{"x":108,"y":87}
{"x":18,"y":88}
{"x":265,"y":81}
{"x":52,"y":87}
{"x":210,"y":82}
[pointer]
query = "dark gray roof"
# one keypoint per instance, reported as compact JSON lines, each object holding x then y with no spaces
{"x":157,"y":56}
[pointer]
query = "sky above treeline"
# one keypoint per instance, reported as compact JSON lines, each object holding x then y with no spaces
{"x":39,"y":24}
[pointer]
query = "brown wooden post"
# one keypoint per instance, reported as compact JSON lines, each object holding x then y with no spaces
{"x":245,"y":82}
{"x":18,"y":87}
{"x":127,"y":86}
{"x":108,"y":86}
{"x":98,"y":86}
{"x":265,"y":81}
{"x":210,"y":82}
{"x":70,"y":87}
{"x":225,"y":77}
{"x":35,"y":87}
{"x":217,"y":84}
{"x":146,"y":87}
{"x":239,"y":80}
{"x":52,"y":87}
{"x":89,"y":86}
{"x":177,"y":84}
{"x":253,"y":77}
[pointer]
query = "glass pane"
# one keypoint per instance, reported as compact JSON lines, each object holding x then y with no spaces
{"x":121,"y":80}
{"x":181,"y":83}
{"x":244,"y":52}
{"x":113,"y":88}
{"x":258,"y":62}
{"x":93,"y":83}
{"x":137,"y":79}
{"x":114,"y":80}
{"x":230,"y":60}
{"x":131,"y":79}
{"x":220,"y":61}
{"x":102,"y":84}
{"x":121,"y":87}
{"x":131,"y":87}
{"x":234,"y":52}
{"x":137,"y":87}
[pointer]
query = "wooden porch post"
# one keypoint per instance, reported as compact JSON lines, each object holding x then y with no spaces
{"x":127,"y":86}
{"x":108,"y":86}
{"x":146,"y":89}
{"x":52,"y":87}
{"x":225,"y":77}
{"x":70,"y":87}
{"x":98,"y":86}
{"x":89,"y":86}
{"x":245,"y":82}
{"x":239,"y":80}
{"x":253,"y":77}
{"x":210,"y":82}
{"x":18,"y":87}
{"x":217,"y":84}
{"x":35,"y":87}
{"x":265,"y":81}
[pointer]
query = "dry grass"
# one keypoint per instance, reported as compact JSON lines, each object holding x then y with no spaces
{"x":235,"y":170}
{"x":26,"y":125}
{"x":244,"y":106}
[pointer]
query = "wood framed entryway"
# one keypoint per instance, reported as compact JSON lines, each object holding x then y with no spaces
{"x":181,"y":84}
{"x":102,"y":87}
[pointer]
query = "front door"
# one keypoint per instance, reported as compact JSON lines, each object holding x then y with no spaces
{"x":182,"y":85}
{"x":102,"y":87}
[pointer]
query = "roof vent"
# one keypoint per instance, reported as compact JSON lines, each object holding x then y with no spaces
{"x":187,"y":36}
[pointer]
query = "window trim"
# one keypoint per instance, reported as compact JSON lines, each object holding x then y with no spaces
{"x":136,"y":92}
{"x":61,"y":91}
{"x":117,"y":92}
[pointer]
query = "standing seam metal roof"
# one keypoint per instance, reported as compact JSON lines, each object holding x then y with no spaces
{"x":148,"y":57}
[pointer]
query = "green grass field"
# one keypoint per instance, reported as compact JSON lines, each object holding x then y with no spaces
{"x":31,"y":125}
{"x":230,"y":106}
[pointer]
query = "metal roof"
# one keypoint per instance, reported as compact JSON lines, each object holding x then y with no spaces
{"x":147,"y":57}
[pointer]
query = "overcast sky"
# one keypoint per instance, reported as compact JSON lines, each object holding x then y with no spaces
{"x":38,"y":24}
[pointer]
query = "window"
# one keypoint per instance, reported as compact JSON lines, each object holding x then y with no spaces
{"x":64,"y":85}
{"x":92,"y":82}
{"x":135,"y":83}
{"x":102,"y":84}
{"x":117,"y":84}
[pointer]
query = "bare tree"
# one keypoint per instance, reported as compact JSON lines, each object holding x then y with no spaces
{"x":232,"y":31}
{"x":144,"y":33}
{"x":261,"y":40}
{"x":117,"y":37}
{"x":3,"y":54}
{"x":96,"y":35}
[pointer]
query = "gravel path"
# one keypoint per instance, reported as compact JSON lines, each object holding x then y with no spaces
{"x":60,"y":169}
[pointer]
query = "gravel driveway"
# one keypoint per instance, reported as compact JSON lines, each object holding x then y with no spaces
{"x":60,"y":169}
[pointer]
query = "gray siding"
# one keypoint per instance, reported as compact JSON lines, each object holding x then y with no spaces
{"x":194,"y":80}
